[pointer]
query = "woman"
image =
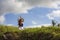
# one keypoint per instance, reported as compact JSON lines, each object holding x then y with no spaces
{"x":20,"y":23}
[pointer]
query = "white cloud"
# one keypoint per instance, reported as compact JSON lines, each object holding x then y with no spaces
{"x":54,"y":14}
{"x":21,"y":6}
{"x":2,"y":19}
{"x":45,"y":25}
{"x":34,"y":26}
{"x":7,"y":6}
{"x":33,"y":22}
{"x":9,"y":24}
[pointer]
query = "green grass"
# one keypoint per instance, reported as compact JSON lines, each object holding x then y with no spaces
{"x":43,"y":33}
{"x":8,"y":29}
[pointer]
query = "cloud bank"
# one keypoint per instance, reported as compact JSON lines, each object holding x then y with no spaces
{"x":21,"y":6}
{"x":45,"y":25}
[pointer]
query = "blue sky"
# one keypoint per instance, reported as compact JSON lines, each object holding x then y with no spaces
{"x":33,"y":13}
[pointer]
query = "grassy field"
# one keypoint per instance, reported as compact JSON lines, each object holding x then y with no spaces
{"x":43,"y":33}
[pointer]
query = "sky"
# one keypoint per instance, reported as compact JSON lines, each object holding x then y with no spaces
{"x":34,"y":12}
